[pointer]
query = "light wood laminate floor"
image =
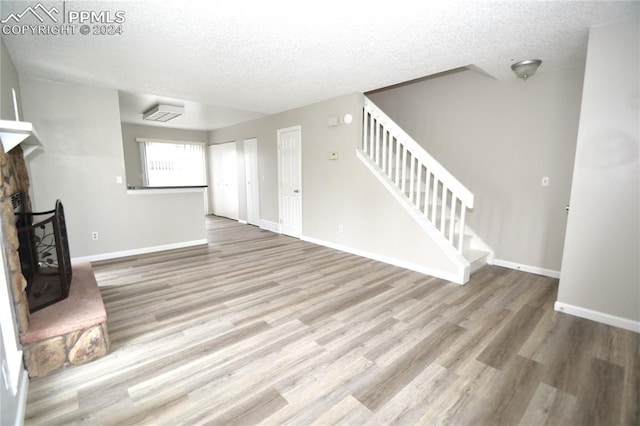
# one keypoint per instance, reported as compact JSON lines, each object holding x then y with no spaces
{"x":259,"y":328}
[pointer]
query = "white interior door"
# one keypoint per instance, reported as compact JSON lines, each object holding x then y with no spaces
{"x":223,"y":172}
{"x":252,"y":179}
{"x":290,"y":181}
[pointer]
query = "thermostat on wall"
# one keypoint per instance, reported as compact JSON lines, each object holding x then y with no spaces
{"x":332,"y":121}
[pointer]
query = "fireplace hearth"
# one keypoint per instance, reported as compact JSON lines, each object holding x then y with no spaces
{"x":44,"y":254}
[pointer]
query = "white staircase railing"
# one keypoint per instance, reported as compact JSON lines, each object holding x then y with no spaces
{"x":434,"y":193}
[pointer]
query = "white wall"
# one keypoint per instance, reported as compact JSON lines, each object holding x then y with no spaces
{"x":499,"y":138}
{"x":600,"y":270}
{"x":335,"y":193}
{"x":83,"y":154}
{"x":10,"y":80}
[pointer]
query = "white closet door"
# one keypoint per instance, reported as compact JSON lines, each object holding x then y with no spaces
{"x":223,"y":171}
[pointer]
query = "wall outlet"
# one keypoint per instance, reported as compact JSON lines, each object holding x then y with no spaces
{"x":545,"y":181}
{"x":340,"y":228}
{"x":94,"y":235}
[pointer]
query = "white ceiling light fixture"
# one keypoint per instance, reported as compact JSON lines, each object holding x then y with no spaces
{"x":527,"y":68}
{"x":163,"y":113}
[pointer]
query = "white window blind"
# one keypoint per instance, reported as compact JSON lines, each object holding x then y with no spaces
{"x":171,"y":163}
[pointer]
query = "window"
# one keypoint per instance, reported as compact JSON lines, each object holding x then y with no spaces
{"x":171,"y":163}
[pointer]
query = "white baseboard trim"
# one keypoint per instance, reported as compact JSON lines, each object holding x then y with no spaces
{"x":527,"y":268}
{"x":386,"y":259}
{"x":244,"y":222}
{"x":590,"y":314}
{"x":270,"y":226}
{"x":21,"y":397}
{"x":135,"y":252}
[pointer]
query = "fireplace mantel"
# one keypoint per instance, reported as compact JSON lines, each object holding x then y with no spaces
{"x":14,"y":133}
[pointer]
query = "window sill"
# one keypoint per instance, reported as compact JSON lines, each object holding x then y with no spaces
{"x":153,"y":190}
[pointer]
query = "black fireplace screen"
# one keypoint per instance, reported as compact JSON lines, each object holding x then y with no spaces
{"x":44,"y":255}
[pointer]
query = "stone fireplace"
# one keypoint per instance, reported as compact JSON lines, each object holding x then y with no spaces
{"x":61,"y":331}
{"x":15,"y":179}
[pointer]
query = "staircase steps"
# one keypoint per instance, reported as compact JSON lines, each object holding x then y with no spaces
{"x":433,"y":197}
{"x":476,"y":258}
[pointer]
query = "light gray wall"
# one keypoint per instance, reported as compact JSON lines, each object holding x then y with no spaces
{"x":600,"y":270}
{"x":9,"y":80}
{"x":130,"y":132}
{"x":335,"y":193}
{"x":83,"y":154}
{"x":499,"y":138}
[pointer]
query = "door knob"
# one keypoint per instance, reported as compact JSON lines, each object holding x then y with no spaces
{"x":295,"y":191}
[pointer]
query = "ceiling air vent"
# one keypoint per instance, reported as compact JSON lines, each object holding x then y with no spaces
{"x":163,"y":113}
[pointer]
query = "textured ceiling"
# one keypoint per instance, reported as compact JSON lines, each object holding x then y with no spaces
{"x":270,"y":56}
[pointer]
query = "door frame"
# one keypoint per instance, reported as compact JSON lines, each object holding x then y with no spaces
{"x":298,"y":127}
{"x":252,"y":180}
